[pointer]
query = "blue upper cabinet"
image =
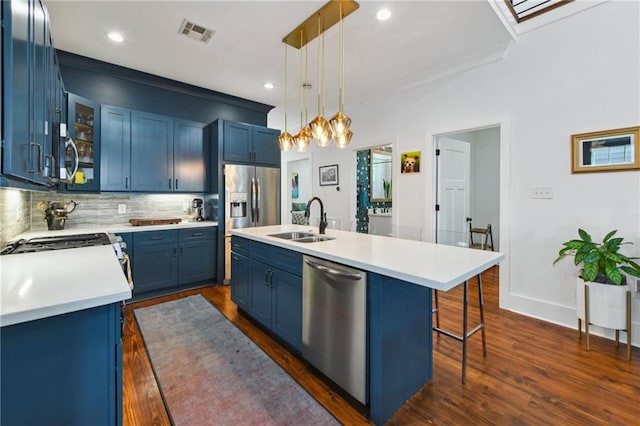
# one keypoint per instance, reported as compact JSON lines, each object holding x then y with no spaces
{"x":189,"y":153}
{"x":25,"y":92}
{"x":151,"y":152}
{"x":245,"y":143}
{"x":237,"y":142}
{"x":84,"y":129}
{"x":265,"y":146}
{"x":145,"y":152}
{"x":115,"y":153}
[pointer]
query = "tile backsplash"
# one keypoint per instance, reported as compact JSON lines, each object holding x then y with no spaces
{"x":18,"y":211}
{"x":15,"y":213}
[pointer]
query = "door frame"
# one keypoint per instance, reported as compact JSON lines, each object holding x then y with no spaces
{"x":504,"y":124}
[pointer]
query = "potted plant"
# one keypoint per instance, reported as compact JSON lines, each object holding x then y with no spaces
{"x":603,"y":271}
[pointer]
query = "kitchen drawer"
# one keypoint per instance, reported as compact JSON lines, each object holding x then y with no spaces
{"x":150,"y":238}
{"x":280,"y":258}
{"x":197,"y":234}
{"x":240,"y":245}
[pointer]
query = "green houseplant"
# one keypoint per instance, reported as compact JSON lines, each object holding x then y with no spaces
{"x":600,"y":262}
{"x":598,"y":302}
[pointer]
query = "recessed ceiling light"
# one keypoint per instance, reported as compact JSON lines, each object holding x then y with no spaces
{"x":117,"y":37}
{"x":383,"y":14}
{"x":268,"y":85}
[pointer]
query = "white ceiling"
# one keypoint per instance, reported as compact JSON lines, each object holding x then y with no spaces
{"x":422,"y":41}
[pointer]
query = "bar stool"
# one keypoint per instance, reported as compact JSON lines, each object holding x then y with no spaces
{"x":465,"y":334}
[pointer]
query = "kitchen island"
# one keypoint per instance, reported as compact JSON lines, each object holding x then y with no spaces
{"x":401,"y":277}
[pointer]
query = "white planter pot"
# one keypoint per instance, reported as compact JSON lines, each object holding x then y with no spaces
{"x":607,"y":304}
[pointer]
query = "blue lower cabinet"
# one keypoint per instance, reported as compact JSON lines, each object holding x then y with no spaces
{"x":270,"y":295}
{"x":155,"y":267}
{"x":172,"y":258}
{"x":197,"y":255}
{"x":240,"y":281}
{"x":286,"y":309}
{"x":260,"y":294}
{"x":63,"y":370}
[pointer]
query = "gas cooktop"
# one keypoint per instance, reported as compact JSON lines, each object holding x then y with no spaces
{"x":58,"y":242}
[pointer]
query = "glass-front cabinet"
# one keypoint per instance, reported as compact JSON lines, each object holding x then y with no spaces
{"x":84,"y":130}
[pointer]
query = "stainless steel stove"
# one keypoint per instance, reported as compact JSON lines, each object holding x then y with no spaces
{"x":57,"y":242}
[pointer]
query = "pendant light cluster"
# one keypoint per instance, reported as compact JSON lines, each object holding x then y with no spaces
{"x":319,"y":129}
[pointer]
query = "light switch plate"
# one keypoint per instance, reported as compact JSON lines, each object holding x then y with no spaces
{"x":542,"y":192}
{"x":122,"y":208}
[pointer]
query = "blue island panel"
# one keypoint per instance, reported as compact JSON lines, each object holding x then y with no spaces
{"x":63,"y":370}
{"x":400,"y":343}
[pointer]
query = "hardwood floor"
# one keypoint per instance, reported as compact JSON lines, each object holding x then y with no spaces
{"x":534,"y":373}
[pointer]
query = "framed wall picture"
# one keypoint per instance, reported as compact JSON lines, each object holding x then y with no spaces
{"x":605,"y":151}
{"x":329,"y":175}
{"x":410,"y":162}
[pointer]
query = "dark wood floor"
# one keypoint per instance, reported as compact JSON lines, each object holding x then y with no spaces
{"x":535,"y":372}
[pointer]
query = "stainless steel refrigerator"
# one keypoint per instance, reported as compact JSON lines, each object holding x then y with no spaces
{"x":252,"y":198}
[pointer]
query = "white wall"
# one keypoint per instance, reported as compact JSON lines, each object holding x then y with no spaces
{"x":576,"y":75}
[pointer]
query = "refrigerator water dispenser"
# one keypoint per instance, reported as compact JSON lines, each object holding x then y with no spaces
{"x":238,"y":204}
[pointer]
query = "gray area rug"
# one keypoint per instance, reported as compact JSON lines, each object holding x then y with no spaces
{"x":210,"y":373}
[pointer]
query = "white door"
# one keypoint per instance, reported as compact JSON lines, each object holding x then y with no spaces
{"x":453,"y":192}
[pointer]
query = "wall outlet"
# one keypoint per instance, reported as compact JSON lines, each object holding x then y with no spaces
{"x":185,"y":207}
{"x":122,"y":208}
{"x":542,"y":192}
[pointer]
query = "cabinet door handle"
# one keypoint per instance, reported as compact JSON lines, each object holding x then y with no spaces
{"x":157,"y":238}
{"x":169,"y":183}
{"x":39,"y":159}
{"x":176,"y":187}
{"x":52,"y":166}
{"x":181,"y":250}
{"x":271,"y":279}
{"x":197,"y":234}
{"x":266,"y":278}
{"x":175,"y":251}
{"x":126,"y":182}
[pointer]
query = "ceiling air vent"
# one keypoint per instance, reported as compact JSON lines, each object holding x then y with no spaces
{"x":195,"y":31}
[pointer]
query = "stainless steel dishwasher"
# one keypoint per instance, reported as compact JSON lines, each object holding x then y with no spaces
{"x":334,"y":320}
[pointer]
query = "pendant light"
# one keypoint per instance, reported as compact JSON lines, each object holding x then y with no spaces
{"x":285,"y":139}
{"x":340,"y":122}
{"x":320,"y":126}
{"x":303,"y":139}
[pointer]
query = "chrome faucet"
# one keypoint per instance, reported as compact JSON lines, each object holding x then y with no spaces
{"x":323,"y":215}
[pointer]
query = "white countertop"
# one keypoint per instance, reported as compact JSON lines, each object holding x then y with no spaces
{"x":114,"y":229}
{"x":48,"y":283}
{"x":432,"y":265}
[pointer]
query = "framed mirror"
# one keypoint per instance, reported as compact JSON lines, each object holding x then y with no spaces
{"x":608,"y":150}
{"x":381,"y":173}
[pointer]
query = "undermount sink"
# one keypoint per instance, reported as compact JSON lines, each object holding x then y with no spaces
{"x":302,"y":237}
{"x":314,"y":239}
{"x":294,"y":235}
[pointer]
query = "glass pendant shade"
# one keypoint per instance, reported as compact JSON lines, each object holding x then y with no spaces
{"x":321,"y":131}
{"x":303,"y":139}
{"x":286,"y":141}
{"x":339,"y":124}
{"x":343,"y":140}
